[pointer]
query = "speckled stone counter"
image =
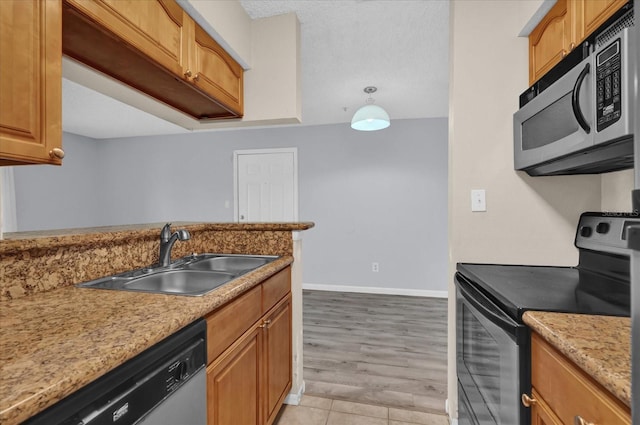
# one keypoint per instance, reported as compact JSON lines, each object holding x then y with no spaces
{"x":53,"y":343}
{"x":599,"y":345}
{"x":56,"y":338}
{"x":35,"y":262}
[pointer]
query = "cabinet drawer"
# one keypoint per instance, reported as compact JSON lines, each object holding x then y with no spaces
{"x":274,"y":288}
{"x":227,"y":324}
{"x":569,"y":391}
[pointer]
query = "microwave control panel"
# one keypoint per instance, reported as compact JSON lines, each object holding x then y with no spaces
{"x":608,"y":85}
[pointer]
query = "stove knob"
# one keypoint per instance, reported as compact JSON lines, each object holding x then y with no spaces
{"x":585,"y":232}
{"x":602,"y":228}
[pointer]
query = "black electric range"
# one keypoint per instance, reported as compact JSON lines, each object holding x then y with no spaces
{"x":493,"y":352}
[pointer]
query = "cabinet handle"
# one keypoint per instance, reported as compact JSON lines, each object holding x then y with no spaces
{"x":572,"y":46}
{"x":265,"y":323}
{"x":528,"y":401}
{"x":564,"y":53}
{"x":188,"y":73}
{"x":56,"y":153}
{"x":578,"y":420}
{"x":196,"y":77}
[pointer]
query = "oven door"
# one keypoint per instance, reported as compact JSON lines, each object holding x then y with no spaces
{"x":492,"y":360}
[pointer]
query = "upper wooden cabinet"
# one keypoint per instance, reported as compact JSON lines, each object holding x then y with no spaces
{"x":156,"y":48}
{"x":215,"y":72}
{"x":30,"y":82}
{"x":594,"y":13}
{"x":551,"y":40}
{"x":565,"y":26}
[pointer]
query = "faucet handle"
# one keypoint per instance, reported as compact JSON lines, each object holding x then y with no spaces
{"x":165,"y":233}
{"x":183,"y":234}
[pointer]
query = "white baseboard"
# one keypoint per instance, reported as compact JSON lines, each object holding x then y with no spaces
{"x":294,"y":398}
{"x":376,"y":290}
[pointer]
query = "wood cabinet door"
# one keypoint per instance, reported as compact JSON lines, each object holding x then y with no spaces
{"x":541,"y":414}
{"x":233,"y":383}
{"x":550,"y":41}
{"x":595,"y":12}
{"x":277,"y":359}
{"x":216,"y":73}
{"x":154,"y":27}
{"x":30,"y":81}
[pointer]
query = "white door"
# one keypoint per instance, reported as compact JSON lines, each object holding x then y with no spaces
{"x":266,"y":186}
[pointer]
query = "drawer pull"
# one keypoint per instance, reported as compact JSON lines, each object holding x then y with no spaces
{"x":528,"y":401}
{"x":579,"y":420}
{"x":265,"y":323}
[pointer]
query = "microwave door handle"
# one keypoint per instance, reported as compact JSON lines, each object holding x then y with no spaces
{"x":575,"y":99}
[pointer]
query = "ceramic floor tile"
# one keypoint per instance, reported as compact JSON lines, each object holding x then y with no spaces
{"x":319,"y":402}
{"x":339,"y":418}
{"x":407,"y":416}
{"x":302,"y":415}
{"x":360,"y":409}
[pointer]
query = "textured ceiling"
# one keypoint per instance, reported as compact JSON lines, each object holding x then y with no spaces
{"x":399,"y":46}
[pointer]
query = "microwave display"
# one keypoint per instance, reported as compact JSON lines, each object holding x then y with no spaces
{"x":608,"y":86}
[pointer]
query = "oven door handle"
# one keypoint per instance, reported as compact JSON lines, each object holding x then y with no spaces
{"x":489,"y":310}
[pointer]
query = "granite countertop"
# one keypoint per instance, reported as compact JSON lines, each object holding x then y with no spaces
{"x":63,"y":237}
{"x":599,"y":345}
{"x":53,"y":343}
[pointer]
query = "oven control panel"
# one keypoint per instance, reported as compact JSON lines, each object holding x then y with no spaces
{"x":605,"y":231}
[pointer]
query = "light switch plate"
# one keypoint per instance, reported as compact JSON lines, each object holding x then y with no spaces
{"x":478,"y":200}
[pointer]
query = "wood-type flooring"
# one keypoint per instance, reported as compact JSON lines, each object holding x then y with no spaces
{"x":385,"y":350}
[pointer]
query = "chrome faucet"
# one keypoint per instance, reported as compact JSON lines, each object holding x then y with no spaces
{"x":167,"y":240}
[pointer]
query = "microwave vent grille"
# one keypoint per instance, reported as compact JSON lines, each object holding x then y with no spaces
{"x":626,"y":21}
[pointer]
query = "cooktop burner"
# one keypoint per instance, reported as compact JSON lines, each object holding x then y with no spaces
{"x":517,"y":289}
{"x":598,"y":285}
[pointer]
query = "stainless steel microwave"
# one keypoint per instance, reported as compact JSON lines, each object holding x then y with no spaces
{"x":583,"y":122}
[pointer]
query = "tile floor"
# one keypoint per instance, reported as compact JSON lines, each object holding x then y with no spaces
{"x":324,"y":411}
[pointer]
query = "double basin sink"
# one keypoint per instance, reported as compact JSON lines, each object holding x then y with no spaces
{"x":193,"y":275}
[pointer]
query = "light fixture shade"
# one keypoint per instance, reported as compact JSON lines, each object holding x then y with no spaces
{"x":370,"y":118}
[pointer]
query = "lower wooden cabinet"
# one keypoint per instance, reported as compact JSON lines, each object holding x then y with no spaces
{"x":277,"y":359}
{"x":248,"y":380}
{"x":564,"y":394}
{"x":541,"y":414}
{"x":233,"y":383}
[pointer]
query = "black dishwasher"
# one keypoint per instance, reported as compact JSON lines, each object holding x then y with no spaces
{"x":164,"y":385}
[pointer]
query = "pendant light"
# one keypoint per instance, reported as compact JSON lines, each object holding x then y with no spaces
{"x":370,"y":117}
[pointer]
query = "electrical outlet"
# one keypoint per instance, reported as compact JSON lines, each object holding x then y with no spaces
{"x":375,"y":267}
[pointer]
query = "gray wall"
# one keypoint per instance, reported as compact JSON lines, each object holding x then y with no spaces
{"x":379,"y":196}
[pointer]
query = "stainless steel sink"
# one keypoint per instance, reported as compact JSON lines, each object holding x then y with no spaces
{"x":193,"y":275}
{"x":183,"y":282}
{"x":231,"y":264}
